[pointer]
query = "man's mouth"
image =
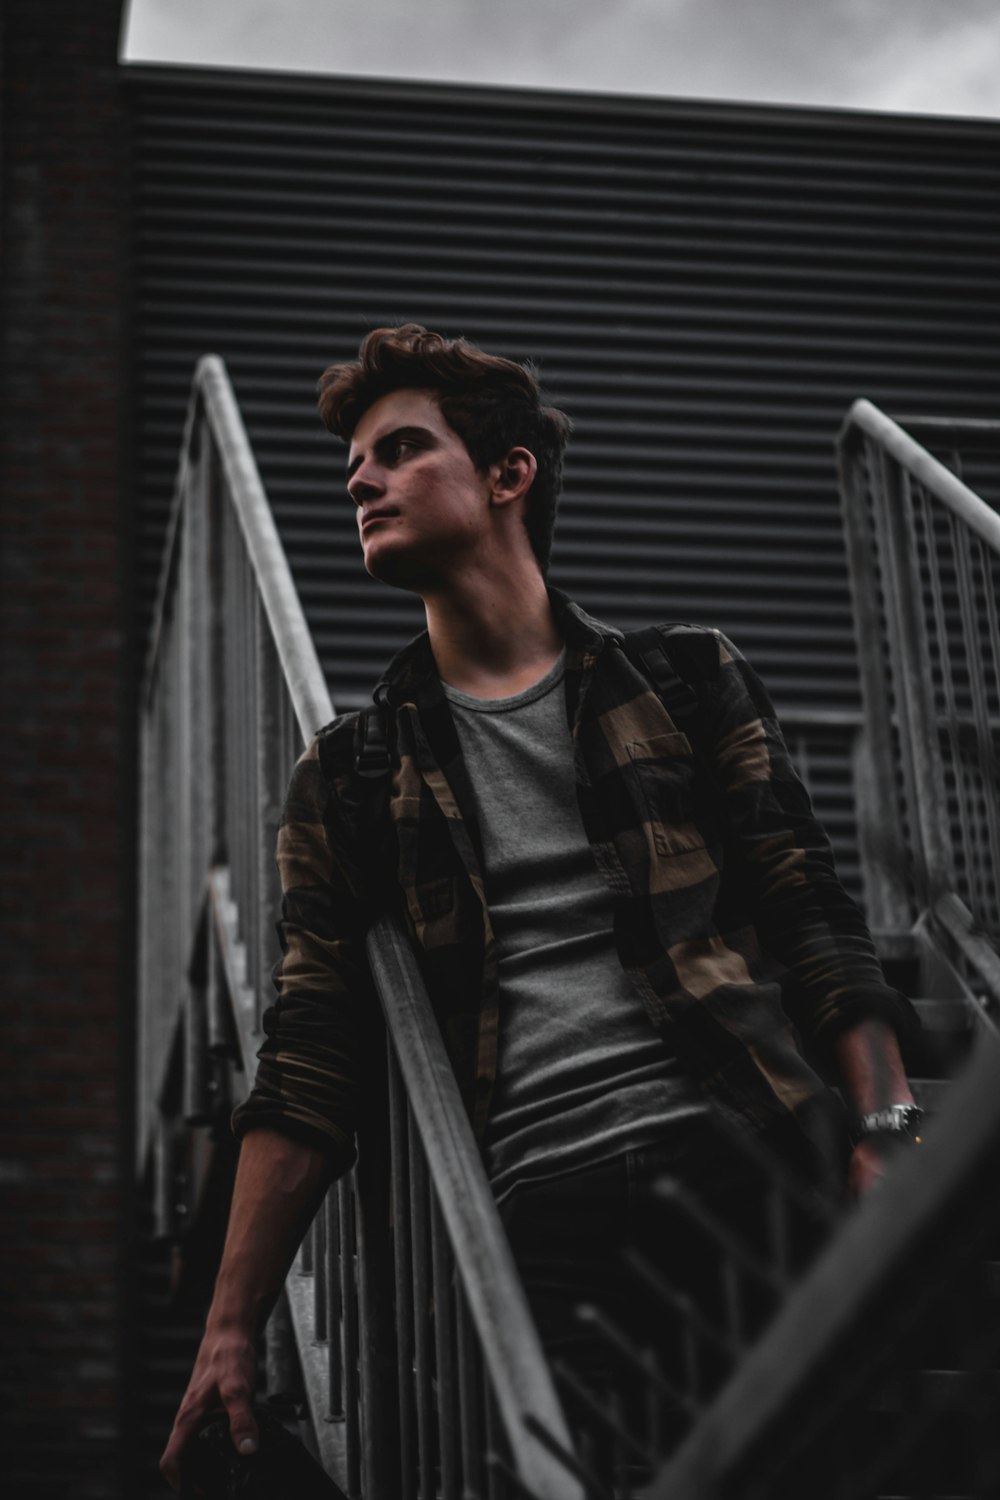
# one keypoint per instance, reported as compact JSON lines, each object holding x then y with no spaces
{"x":380,"y":514}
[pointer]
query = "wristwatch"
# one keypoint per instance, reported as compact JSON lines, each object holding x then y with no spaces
{"x":899,"y":1120}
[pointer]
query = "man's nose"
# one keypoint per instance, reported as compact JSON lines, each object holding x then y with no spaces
{"x":365,"y":484}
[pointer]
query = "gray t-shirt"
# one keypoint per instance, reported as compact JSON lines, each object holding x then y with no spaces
{"x":581,"y":1074}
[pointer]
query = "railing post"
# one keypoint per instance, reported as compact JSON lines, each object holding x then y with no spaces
{"x":884,"y":868}
{"x":379,"y":1412}
{"x":269,"y":764}
{"x":919,"y":725}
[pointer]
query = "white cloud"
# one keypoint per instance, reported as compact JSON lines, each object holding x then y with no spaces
{"x":882,"y":54}
{"x":956,"y":71}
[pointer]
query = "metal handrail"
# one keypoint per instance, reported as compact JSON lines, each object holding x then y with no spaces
{"x":233,"y":690}
{"x":823,"y":1353}
{"x":497,"y":1301}
{"x":826,"y":1346}
{"x":924,"y":555}
{"x":212,"y":395}
{"x":864,"y":418}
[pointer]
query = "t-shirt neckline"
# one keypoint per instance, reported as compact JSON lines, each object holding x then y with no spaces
{"x":527,"y":695}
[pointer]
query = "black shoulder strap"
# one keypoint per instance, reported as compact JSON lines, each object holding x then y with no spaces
{"x":373,"y":764}
{"x":649,"y":651}
{"x":372,"y":754}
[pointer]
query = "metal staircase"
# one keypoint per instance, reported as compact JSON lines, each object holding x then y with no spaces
{"x":405,"y":1331}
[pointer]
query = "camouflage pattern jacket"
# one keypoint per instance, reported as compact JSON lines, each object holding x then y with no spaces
{"x":729,"y":917}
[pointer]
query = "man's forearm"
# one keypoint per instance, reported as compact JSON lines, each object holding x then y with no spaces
{"x":872,"y":1076}
{"x":870,"y":1067}
{"x":279,"y":1186}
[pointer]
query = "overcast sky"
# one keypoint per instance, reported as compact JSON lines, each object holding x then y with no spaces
{"x":924,"y":56}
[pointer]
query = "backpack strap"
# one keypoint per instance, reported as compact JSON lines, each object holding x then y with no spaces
{"x":373,"y":764}
{"x":649,"y":651}
{"x":371,"y":757}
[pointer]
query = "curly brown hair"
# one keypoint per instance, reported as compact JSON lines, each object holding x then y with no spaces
{"x":493,"y":404}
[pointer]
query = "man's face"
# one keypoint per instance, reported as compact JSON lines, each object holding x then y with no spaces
{"x":422,"y":505}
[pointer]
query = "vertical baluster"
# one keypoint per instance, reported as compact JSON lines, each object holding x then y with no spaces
{"x":320,"y":1282}
{"x":378,"y":1365}
{"x":352,"y":1435}
{"x":444,"y":1347}
{"x":967,"y":812}
{"x":990,"y":567}
{"x":469,"y":1401}
{"x":181,"y":806}
{"x":984,"y":854}
{"x":146,"y":898}
{"x":492,"y":1424}
{"x":402,"y":1251}
{"x":197,"y":1095}
{"x":218,"y":1013}
{"x":886,"y":711}
{"x":252,"y":805}
{"x":232,"y":695}
{"x":215,"y":615}
{"x":245,"y":722}
{"x":307,"y":1253}
{"x":334,"y":1275}
{"x":271,"y":789}
{"x":922,"y":748}
{"x":281,"y":1358}
{"x":232,"y":691}
{"x":889,"y":886}
{"x":238,"y":831}
{"x":420,"y":1231}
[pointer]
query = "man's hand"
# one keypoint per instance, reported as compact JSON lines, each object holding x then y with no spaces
{"x":279,"y":1185}
{"x":224,"y":1375}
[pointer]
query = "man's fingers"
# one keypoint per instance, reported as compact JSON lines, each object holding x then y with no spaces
{"x":242,"y":1426}
{"x":170,"y":1460}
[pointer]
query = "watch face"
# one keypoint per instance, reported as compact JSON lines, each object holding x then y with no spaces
{"x":899,"y":1120}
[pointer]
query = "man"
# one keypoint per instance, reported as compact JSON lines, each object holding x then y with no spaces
{"x":622,"y":931}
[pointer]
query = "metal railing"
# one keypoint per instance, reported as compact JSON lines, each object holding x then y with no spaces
{"x":924,"y":553}
{"x":423,"y":1372}
{"x":422,"y":1368}
{"x":831,"y":1396}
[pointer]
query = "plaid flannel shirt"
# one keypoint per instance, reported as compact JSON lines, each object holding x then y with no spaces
{"x":728,"y":915}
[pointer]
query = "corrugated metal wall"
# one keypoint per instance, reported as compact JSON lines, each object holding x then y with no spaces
{"x":706,"y":288}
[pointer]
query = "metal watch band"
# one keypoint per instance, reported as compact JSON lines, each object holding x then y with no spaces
{"x":894,"y":1119}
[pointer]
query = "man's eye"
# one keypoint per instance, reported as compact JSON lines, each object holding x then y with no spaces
{"x":400,"y":446}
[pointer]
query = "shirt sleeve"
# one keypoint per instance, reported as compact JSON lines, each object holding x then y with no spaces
{"x":311,"y":1067}
{"x":803,"y":916}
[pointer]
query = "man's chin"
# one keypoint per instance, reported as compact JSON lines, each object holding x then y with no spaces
{"x":395,"y":570}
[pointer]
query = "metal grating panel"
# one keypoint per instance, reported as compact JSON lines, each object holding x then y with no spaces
{"x":706,"y":288}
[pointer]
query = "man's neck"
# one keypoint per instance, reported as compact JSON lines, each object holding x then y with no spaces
{"x":494,"y":636}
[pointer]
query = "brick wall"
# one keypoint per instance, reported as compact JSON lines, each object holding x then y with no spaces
{"x":64,"y":773}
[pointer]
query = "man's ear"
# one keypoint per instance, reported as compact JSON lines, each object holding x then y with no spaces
{"x":512,"y":477}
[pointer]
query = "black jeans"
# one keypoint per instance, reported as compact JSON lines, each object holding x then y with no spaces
{"x":568,"y":1235}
